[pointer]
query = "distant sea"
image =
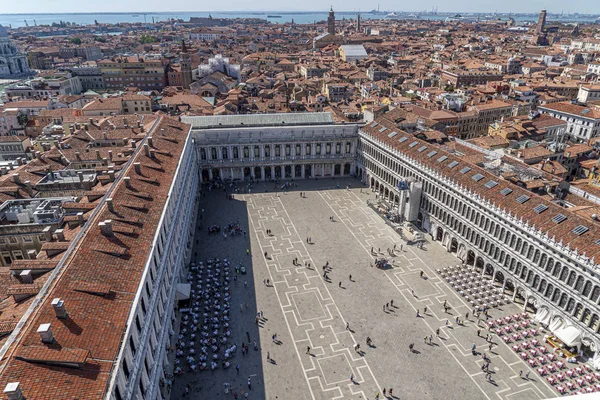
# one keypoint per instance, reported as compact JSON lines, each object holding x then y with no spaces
{"x":19,"y":20}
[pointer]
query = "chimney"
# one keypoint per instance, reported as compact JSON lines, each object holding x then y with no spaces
{"x":11,"y":166}
{"x":98,"y":155}
{"x":31,"y":254}
{"x":150,"y":141}
{"x":29,"y":188}
{"x":138,"y":168}
{"x":91,"y":120}
{"x":133,"y":144}
{"x":111,"y":175}
{"x":110,"y":204}
{"x":3,"y":171}
{"x":12,"y":390}
{"x":106,"y":228}
{"x":38,"y":155}
{"x":45,"y":333}
{"x":152,"y":155}
{"x":146,"y":149}
{"x":110,"y":155}
{"x":105,"y":135}
{"x":80,"y":175}
{"x":48,"y":233}
{"x":59,"y":308}
{"x":80,"y":218}
{"x":78,"y":156}
{"x":26,"y":277}
{"x":127,"y":182}
{"x":17,"y":179}
{"x":60,"y":235}
{"x":56,"y":144}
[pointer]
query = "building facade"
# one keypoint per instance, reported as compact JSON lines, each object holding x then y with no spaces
{"x":534,"y":249}
{"x":13,"y":63}
{"x":273,"y":146}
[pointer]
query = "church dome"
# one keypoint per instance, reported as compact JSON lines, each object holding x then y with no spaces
{"x":3,"y":31}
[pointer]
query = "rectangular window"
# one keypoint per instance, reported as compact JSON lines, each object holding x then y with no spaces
{"x":298,"y":150}
{"x":277,"y":150}
{"x":318,"y":149}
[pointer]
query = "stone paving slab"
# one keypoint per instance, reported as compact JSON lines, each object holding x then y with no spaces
{"x":305,"y":310}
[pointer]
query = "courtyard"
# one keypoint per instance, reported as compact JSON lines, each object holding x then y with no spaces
{"x":318,"y":321}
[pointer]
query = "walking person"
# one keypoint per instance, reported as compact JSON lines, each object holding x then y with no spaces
{"x":347,"y":326}
{"x":307,"y":349}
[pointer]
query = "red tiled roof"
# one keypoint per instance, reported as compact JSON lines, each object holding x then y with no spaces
{"x":97,"y":323}
{"x":562,"y":232}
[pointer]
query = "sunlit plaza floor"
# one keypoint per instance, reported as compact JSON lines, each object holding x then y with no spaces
{"x":305,"y":310}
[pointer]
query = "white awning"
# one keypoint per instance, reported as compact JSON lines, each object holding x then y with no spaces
{"x":543,"y":316}
{"x":182,"y":291}
{"x":570,"y":336}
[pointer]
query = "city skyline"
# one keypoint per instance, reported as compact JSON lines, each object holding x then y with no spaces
{"x":73,"y":6}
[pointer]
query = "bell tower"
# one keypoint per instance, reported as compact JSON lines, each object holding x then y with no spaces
{"x":331,"y":22}
{"x":186,"y":66}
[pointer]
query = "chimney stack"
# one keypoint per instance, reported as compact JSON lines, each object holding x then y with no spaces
{"x":152,"y":154}
{"x":146,"y":149}
{"x":31,"y":254}
{"x":111,"y":175}
{"x":60,"y":235}
{"x":110,"y":204}
{"x":48,"y":233}
{"x":127,"y":182}
{"x":26,"y":277}
{"x":29,"y":188}
{"x":105,"y":135}
{"x":91,"y":120}
{"x":59,"y":308}
{"x":56,"y":144}
{"x":17,"y":179}
{"x":106,"y":228}
{"x":110,"y":155}
{"x":138,"y":168}
{"x":45,"y":333}
{"x":80,"y":175}
{"x":80,"y":218}
{"x":133,"y":144}
{"x":38,"y":155}
{"x":98,"y":155}
{"x":150,"y":141}
{"x":78,"y":155}
{"x":12,"y":390}
{"x":11,"y":166}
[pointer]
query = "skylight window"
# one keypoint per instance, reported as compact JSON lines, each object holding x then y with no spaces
{"x":442,"y":159}
{"x":431,"y":153}
{"x":403,"y":139}
{"x":522,"y":199}
{"x":477,"y":177}
{"x":465,"y":170}
{"x":580,"y":230}
{"x":453,"y":164}
{"x":506,"y":191}
{"x":540,"y":208}
{"x":391,"y":135}
{"x":374,"y":124}
{"x":382,"y":129}
{"x":491,"y":184}
{"x":413,"y":144}
{"x":421,"y":149}
{"x":559,"y":218}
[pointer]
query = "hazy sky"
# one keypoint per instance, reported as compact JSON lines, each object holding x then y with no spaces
{"x":62,"y":6}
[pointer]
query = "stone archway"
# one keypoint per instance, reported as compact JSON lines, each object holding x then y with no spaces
{"x":470,"y":257}
{"x":278,"y":172}
{"x":489,"y":271}
{"x":453,"y":248}
{"x":509,"y":287}
{"x":479,"y":264}
{"x":257,"y":173}
{"x":205,"y":175}
{"x":499,"y":278}
{"x":462,"y":252}
{"x":532,"y":304}
{"x":288,"y":171}
{"x":439,"y":234}
{"x":519,"y":295}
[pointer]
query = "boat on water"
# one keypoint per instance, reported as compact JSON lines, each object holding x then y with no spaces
{"x":393,"y":15}
{"x":135,"y":15}
{"x":273,"y":16}
{"x":460,"y":18}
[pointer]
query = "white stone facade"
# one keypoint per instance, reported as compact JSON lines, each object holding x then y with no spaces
{"x":13,"y":63}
